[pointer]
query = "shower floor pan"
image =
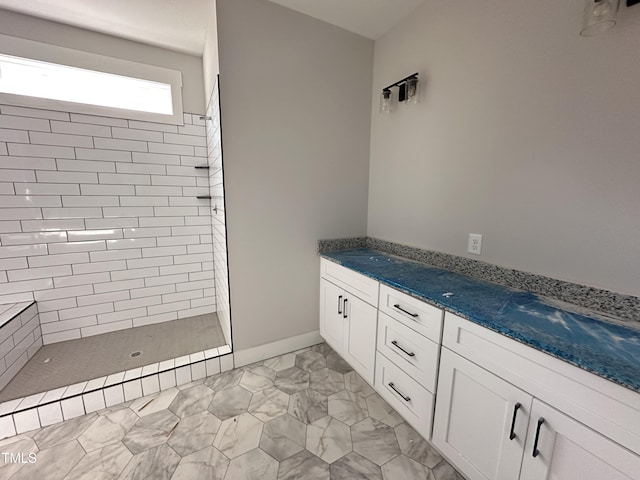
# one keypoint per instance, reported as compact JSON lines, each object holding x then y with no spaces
{"x":75,"y":361}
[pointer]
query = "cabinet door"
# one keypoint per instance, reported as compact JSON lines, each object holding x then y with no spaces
{"x":475,"y":417}
{"x":360,"y":340}
{"x":568,"y":450}
{"x":332,"y":321}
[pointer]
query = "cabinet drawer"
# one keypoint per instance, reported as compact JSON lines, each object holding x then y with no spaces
{"x":409,"y":399}
{"x":362,"y":287}
{"x":419,"y":316}
{"x":415,"y":354}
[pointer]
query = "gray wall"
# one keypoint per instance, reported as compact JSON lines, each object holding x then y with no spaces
{"x":527,"y":133}
{"x":296,"y":99}
{"x":31,"y":28}
{"x":210,"y":55}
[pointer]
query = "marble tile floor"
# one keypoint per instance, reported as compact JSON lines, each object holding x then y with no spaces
{"x":301,"y":416}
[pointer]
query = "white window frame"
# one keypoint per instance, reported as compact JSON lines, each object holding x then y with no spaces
{"x":19,"y":47}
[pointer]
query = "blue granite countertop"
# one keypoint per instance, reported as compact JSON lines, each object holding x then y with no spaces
{"x":604,"y":348}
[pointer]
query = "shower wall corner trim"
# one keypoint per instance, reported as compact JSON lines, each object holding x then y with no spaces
{"x":218,"y":217}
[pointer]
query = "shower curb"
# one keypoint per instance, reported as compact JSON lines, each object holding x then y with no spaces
{"x":48,"y":408}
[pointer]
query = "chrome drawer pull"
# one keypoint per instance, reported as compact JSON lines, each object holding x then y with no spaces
{"x":395,"y":344}
{"x":397,"y":305}
{"x":406,"y":399}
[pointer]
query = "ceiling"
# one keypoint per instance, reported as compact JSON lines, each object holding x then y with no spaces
{"x":175,"y":24}
{"x":181,"y":24}
{"x":369,"y":18}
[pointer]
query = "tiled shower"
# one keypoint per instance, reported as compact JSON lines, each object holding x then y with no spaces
{"x":109,"y":224}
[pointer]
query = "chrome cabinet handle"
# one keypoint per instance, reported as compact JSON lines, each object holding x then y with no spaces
{"x":339,"y":300}
{"x":512,"y":434}
{"x":395,"y":344}
{"x":397,"y":305}
{"x":406,"y":399}
{"x":536,"y":452}
{"x":344,"y":308}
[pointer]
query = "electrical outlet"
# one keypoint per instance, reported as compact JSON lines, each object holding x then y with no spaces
{"x":475,"y":243}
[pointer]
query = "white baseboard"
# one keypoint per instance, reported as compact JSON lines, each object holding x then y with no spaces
{"x":273,"y":349}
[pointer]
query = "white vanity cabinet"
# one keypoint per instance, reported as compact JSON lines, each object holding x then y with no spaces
{"x":348,"y":316}
{"x":505,"y":411}
{"x":395,"y":349}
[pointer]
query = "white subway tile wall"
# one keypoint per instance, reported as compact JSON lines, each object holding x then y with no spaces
{"x":99,"y":220}
{"x":20,"y":338}
{"x":218,"y":229}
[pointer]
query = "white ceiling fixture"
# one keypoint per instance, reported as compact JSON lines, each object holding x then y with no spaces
{"x":174,"y":24}
{"x":369,"y":18}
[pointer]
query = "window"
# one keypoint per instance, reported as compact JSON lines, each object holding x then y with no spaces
{"x":116,"y":88}
{"x":22,"y":76}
